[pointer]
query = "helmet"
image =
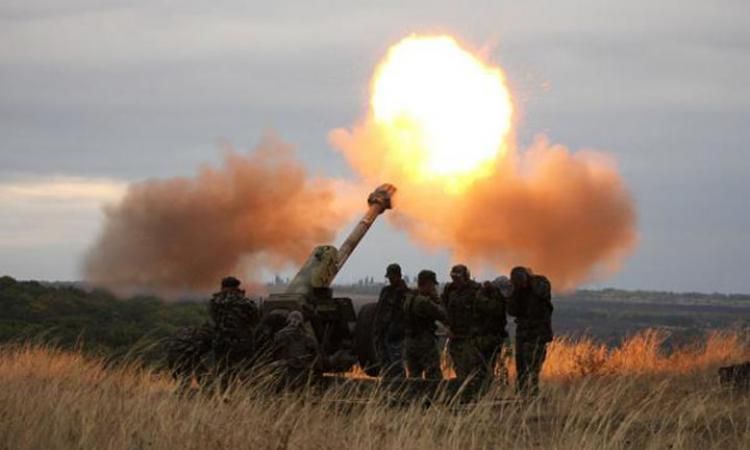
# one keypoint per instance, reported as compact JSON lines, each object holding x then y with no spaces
{"x":393,"y":270}
{"x":519,"y":273}
{"x":503,"y":284}
{"x":230,"y":282}
{"x":295,"y":318}
{"x":460,"y":270}
{"x":426,"y":276}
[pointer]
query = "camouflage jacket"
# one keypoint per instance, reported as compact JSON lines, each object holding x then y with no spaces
{"x":233,"y":314}
{"x":295,"y":348}
{"x":460,"y":303}
{"x":532,"y":308}
{"x":420,"y":314}
{"x":389,"y":315}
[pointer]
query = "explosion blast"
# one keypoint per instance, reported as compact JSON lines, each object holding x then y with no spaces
{"x":439,"y":128}
{"x":257,"y":211}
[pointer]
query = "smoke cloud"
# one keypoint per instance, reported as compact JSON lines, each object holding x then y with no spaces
{"x":566,"y":215}
{"x":258,"y":210}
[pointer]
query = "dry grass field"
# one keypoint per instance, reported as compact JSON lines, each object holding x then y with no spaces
{"x":631,"y":397}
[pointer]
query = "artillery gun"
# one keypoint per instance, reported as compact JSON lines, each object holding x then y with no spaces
{"x":333,"y":322}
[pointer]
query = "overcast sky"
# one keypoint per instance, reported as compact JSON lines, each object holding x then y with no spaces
{"x":96,"y":94}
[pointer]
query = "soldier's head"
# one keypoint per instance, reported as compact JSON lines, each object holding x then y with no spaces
{"x":230,"y":283}
{"x":504,"y":285}
{"x":427,"y":282}
{"x":460,"y":274}
{"x":294,"y":319}
{"x":520,"y":277}
{"x":393,"y":273}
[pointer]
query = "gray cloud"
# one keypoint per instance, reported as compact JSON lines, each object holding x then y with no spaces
{"x":131,"y":90}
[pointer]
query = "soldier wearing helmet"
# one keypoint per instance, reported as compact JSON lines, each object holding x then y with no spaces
{"x":460,"y":300}
{"x":389,"y":326}
{"x":420,"y":313}
{"x":488,"y":328}
{"x":234,"y":317}
{"x":295,"y":350}
{"x":531,"y":304}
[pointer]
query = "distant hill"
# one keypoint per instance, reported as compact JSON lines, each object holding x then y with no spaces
{"x":609,"y":315}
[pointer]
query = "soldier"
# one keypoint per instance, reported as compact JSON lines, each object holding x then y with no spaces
{"x":389,"y":324}
{"x":234,"y":316}
{"x":459,"y":299}
{"x":296,"y":350}
{"x":505,"y":352}
{"x":531,"y":305}
{"x":488,"y":328}
{"x":420,"y":313}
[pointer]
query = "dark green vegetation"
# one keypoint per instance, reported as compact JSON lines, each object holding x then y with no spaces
{"x":98,"y":322}
{"x":95,"y":321}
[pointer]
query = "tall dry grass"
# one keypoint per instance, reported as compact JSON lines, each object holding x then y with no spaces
{"x":630,"y":397}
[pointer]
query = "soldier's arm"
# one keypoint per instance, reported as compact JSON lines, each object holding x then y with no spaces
{"x":443,"y":299}
{"x":378,"y":326}
{"x":426,"y":308}
{"x":381,"y":297}
{"x":252,"y":311}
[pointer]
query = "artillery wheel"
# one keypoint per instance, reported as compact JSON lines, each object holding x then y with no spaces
{"x":364,"y":340}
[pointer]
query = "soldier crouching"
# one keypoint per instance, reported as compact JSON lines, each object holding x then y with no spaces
{"x":420,"y":313}
{"x":296,"y":352}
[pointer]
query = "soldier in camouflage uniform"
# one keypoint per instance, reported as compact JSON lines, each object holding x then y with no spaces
{"x":488,"y":329}
{"x":460,"y":300}
{"x":503,"y":288}
{"x":389,"y":327}
{"x":421,"y":310}
{"x":189,"y":355}
{"x":234,"y":317}
{"x":296,"y":351}
{"x":531,"y":305}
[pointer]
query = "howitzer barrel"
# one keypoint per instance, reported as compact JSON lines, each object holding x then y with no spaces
{"x":379,"y":201}
{"x":326,"y":261}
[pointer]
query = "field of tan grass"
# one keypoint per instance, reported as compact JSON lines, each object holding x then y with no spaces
{"x":592,"y":398}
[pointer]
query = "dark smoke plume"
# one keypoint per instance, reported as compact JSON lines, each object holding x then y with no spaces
{"x":258,"y":210}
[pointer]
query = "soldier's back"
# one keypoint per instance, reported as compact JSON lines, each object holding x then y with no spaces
{"x":459,"y":302}
{"x":232,"y":311}
{"x":533,"y":309}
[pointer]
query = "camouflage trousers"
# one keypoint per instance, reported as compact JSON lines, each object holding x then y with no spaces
{"x":389,"y":351}
{"x":530,"y":356}
{"x":422,"y":357}
{"x":475,"y":356}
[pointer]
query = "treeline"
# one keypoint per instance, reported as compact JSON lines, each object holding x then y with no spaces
{"x":95,"y":321}
{"x":70,"y":315}
{"x":598,"y":295}
{"x":639,"y":296}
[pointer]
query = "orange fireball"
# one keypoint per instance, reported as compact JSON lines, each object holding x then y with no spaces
{"x":445,"y":115}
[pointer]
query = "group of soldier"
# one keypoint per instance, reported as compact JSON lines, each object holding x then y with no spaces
{"x":474,"y":317}
{"x":472,"y":314}
{"x":240,"y":337}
